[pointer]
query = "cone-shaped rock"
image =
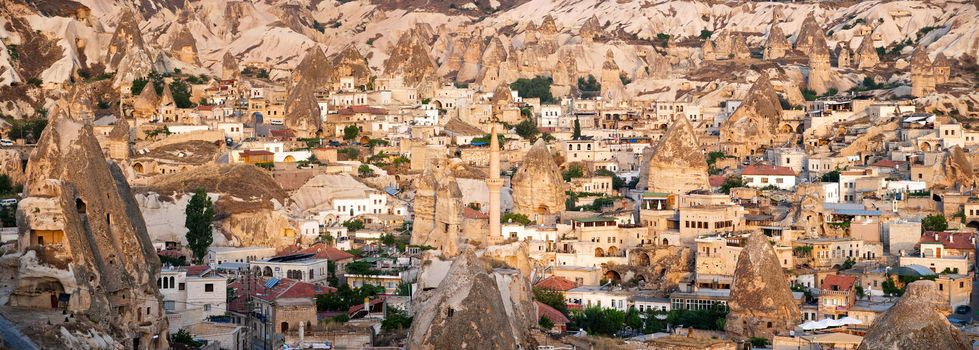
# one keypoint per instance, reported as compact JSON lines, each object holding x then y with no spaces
{"x":678,"y":164}
{"x":761,"y":303}
{"x":410,"y":59}
{"x":917,"y":321}
{"x":538,"y":188}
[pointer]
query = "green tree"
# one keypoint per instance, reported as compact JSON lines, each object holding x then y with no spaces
{"x":200,"y":215}
{"x":574,"y":171}
{"x":576,"y":133}
{"x":705,"y":34}
{"x":365,"y":170}
{"x":539,"y":87}
{"x":389,"y":240}
{"x":515,"y":217}
{"x":350,"y":132}
{"x":8,"y":216}
{"x":184,"y":338}
{"x":589,"y":87}
{"x":632,"y":319}
{"x":832,"y":176}
{"x":730,"y":182}
{"x":527,"y":129}
{"x":551,"y":298}
{"x":934,"y":222}
{"x":545,"y":323}
{"x":809,"y":95}
{"x":6,"y":186}
{"x":395,"y":318}
{"x":354,"y":225}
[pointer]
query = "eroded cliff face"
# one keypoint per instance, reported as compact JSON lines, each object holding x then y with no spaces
{"x":438,"y":209}
{"x":761,"y":303}
{"x":410,"y":59}
{"x":753,"y":125}
{"x":917,"y":321}
{"x":127,"y":53}
{"x":83,"y":240}
{"x":473,"y":307}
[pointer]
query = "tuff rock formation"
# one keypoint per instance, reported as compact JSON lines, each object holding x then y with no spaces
{"x":753,"y":125}
{"x":590,"y":29}
{"x":923,"y":79}
{"x":229,"y":66}
{"x":184,"y":46}
{"x":777,"y":46}
{"x":410,"y":59}
{"x":302,"y":112}
{"x":866,"y":55}
{"x":350,"y":63}
{"x":821,"y":75}
{"x":146,"y":104}
{"x":314,"y":71}
{"x":678,"y":165}
{"x":474,"y":307}
{"x":82,"y":236}
{"x":538,"y":188}
{"x":811,"y":35}
{"x":761,"y":303}
{"x":438,"y":209}
{"x":844,"y":56}
{"x":809,"y":214}
{"x":917,"y":321}
{"x":954,"y":171}
{"x":127,"y":53}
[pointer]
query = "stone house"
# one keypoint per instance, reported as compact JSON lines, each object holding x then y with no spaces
{"x":837,"y":295}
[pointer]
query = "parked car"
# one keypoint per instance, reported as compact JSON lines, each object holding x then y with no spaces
{"x":6,"y":142}
{"x":8,"y":202}
{"x":963,"y":309}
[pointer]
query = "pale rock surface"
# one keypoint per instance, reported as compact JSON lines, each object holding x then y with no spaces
{"x":538,"y":188}
{"x":917,"y":321}
{"x":760,"y":294}
{"x":678,"y":165}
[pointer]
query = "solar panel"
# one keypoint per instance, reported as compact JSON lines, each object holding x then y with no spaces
{"x":271,"y":282}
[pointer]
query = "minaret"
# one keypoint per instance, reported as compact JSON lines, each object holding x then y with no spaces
{"x":494,"y":183}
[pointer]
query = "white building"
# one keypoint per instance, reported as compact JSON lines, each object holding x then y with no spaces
{"x":191,"y":294}
{"x":221,"y":255}
{"x":760,"y":176}
{"x":588,"y":296}
{"x":300,"y":267}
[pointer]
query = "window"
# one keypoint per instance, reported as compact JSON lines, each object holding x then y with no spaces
{"x":209,"y":287}
{"x":168,"y":305}
{"x":207,"y":307}
{"x":182,"y":286}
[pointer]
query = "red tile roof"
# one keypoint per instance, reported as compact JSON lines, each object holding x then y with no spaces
{"x":837,"y":282}
{"x":716,"y":180}
{"x":284,"y":289}
{"x":551,"y":313}
{"x":321,"y":250}
{"x":887,"y":163}
{"x":473,"y":213}
{"x":767,"y":170}
{"x":951,"y":240}
{"x":197,"y":270}
{"x":557,"y":283}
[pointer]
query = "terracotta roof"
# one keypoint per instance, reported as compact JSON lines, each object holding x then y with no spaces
{"x":837,"y":282}
{"x":767,"y":170}
{"x":716,"y":180}
{"x":951,"y":240}
{"x":474,"y":214}
{"x":259,"y":152}
{"x":557,"y":283}
{"x":205,"y":108}
{"x":361,"y":109}
{"x":887,"y":163}
{"x":551,"y":313}
{"x":197,"y":270}
{"x":321,"y":250}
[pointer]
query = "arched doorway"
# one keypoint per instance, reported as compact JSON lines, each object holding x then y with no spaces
{"x":666,"y":241}
{"x":138,"y":168}
{"x":289,"y":159}
{"x":925,"y":147}
{"x":613,"y":276}
{"x":267,"y":272}
{"x":642,"y":259}
{"x":612,"y":251}
{"x":599,"y":252}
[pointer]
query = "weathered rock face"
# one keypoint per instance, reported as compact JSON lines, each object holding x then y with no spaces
{"x":866,"y":55}
{"x":810,"y":35}
{"x":302,"y":112}
{"x":943,"y":68}
{"x":917,"y":321}
{"x":470,"y":60}
{"x":127,"y":54}
{"x":678,"y":165}
{"x":474,"y":307}
{"x":809,"y":213}
{"x":923,"y":78}
{"x":538,"y":188}
{"x":229,"y":66}
{"x":314,"y":70}
{"x":727,"y":46}
{"x":184,"y":47}
{"x":820,"y":76}
{"x":11,"y":164}
{"x":761,"y":303}
{"x":350,"y":63}
{"x":81,"y":234}
{"x":590,"y":29}
{"x":410,"y":59}
{"x":777,"y":46}
{"x":662,"y":267}
{"x":438,"y":209}
{"x":844,"y":57}
{"x":955,"y":171}
{"x":753,"y":125}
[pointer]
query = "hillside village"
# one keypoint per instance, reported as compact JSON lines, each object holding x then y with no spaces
{"x":491,"y":175}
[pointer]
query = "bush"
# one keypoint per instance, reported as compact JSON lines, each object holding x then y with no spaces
{"x":705,"y":34}
{"x":551,"y":298}
{"x":730,"y":182}
{"x":832,"y":176}
{"x":354,"y":225}
{"x":527,"y":129}
{"x":809,"y":95}
{"x":517,"y":218}
{"x":350,"y":132}
{"x":365,"y":170}
{"x":596,"y":320}
{"x":934,"y":222}
{"x":545,"y":323}
{"x":574,"y":171}
{"x":539,"y":87}
{"x":589,"y":88}
{"x":185,"y":338}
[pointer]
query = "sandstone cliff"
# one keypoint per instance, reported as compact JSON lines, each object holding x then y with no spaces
{"x":410,"y":59}
{"x":678,"y":165}
{"x":753,"y":125}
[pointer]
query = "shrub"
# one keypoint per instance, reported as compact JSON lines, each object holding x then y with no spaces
{"x":538,"y":87}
